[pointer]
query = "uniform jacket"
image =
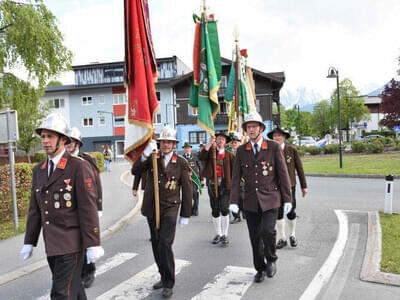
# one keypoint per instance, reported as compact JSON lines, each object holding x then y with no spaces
{"x":293,"y":163}
{"x":266,"y":179}
{"x":208,"y":172}
{"x":96,"y":172}
{"x":65,"y":205}
{"x":194,"y":163}
{"x":177,"y":170}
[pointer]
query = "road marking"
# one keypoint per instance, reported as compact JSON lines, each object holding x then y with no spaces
{"x":140,"y":285}
{"x":336,"y":285}
{"x":231,"y":284}
{"x":327,"y":269}
{"x":109,"y":264}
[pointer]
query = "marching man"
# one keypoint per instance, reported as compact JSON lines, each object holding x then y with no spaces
{"x":173,"y":177}
{"x":64,"y":204}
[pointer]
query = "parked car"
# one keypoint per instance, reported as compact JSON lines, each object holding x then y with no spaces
{"x":369,"y":137}
{"x":306,"y":141}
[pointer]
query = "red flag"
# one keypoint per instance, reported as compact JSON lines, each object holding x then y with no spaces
{"x":140,"y":77}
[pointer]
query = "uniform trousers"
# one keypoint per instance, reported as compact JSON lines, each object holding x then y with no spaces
{"x":195,"y":207}
{"x":161,"y":242}
{"x":66,"y":272}
{"x":219,"y":205}
{"x":261,"y":226}
{"x":292,"y":213}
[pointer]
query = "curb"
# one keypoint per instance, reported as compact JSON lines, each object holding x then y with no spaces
{"x":370,"y":270}
{"x":351,"y":176}
{"x":104,"y":234}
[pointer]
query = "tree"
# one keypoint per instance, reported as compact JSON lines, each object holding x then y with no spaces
{"x":321,"y":120}
{"x":29,"y":38}
{"x":352,"y":108}
{"x":24,"y":98}
{"x":391,"y":104}
{"x":291,"y":119}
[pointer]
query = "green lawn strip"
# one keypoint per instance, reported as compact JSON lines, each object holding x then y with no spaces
{"x":7,"y":228}
{"x":370,"y":164}
{"x":390,"y":243}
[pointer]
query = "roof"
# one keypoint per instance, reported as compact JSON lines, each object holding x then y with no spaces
{"x":72,"y":87}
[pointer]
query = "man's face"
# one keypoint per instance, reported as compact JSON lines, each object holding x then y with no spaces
{"x":279,"y":137}
{"x":253,"y":129}
{"x":166,"y":146}
{"x":187,"y":150}
{"x":221,"y":141}
{"x":235,"y":145}
{"x":71,"y":147}
{"x":49,"y":142}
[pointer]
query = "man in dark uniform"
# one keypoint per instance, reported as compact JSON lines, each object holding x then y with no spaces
{"x":173,"y":178}
{"x":196,"y":168}
{"x":260,"y":162}
{"x":294,"y":164}
{"x":74,"y":147}
{"x":63,"y":203}
{"x":219,"y":203}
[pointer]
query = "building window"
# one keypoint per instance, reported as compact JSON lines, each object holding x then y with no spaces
{"x":119,"y":121}
{"x":87,"y":100}
{"x":224,"y":82}
{"x":102,"y":121}
{"x":119,"y":99}
{"x":197,"y":137}
{"x":190,"y":111}
{"x":223,"y":107}
{"x":87,"y":122}
{"x":56,"y":103}
{"x":157,"y":118}
{"x":258,"y":105}
{"x":101,"y":99}
{"x":158,"y":96}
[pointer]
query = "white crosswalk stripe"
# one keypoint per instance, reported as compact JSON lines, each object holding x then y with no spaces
{"x":231,"y":284}
{"x":109,"y":264}
{"x":140,"y":285}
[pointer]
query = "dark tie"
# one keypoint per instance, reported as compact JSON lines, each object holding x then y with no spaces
{"x":255,"y":150}
{"x":51,"y":164}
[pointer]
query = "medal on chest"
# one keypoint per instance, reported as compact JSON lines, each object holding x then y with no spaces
{"x":264,"y":168}
{"x":288,"y":159}
{"x":68,"y":187}
{"x":171,"y":183}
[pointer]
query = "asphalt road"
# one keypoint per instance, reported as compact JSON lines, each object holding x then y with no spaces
{"x":208,"y":271}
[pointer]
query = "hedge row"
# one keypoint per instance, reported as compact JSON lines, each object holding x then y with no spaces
{"x":41,"y":156}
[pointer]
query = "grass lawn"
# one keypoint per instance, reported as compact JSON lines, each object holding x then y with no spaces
{"x":7,"y":228}
{"x":390,"y":243}
{"x":372,"y":164}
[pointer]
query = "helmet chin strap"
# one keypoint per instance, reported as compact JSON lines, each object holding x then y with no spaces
{"x":57,"y":146}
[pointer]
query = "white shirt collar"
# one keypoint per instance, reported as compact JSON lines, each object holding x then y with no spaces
{"x":259,"y":143}
{"x":283,"y":146}
{"x":56,"y":159}
{"x":167,"y":158}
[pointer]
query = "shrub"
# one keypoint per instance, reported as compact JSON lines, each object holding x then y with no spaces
{"x":358,"y":146}
{"x":387,"y":141}
{"x":40,"y":156}
{"x":98,"y":156}
{"x":314,"y":150}
{"x":375,"y":146}
{"x":331,"y":148}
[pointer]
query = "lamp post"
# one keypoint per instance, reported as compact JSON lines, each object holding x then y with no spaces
{"x":112,"y":123}
{"x":334,"y":73}
{"x":298,"y":119}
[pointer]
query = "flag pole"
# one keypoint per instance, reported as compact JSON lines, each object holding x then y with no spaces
{"x":156,"y":188}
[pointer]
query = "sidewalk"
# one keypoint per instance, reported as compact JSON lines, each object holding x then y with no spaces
{"x":116,"y":190}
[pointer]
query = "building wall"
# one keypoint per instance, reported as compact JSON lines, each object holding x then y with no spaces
{"x":65,"y":111}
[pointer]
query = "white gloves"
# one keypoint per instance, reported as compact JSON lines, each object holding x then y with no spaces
{"x":152,"y":145}
{"x":234,"y":208}
{"x":183,"y":221}
{"x":100,"y":213}
{"x":94,"y":253}
{"x":287,"y":207}
{"x":26,"y":251}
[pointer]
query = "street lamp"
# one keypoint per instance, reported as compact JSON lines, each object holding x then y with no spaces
{"x":112,"y":123}
{"x":298,"y":119}
{"x":334,"y":73}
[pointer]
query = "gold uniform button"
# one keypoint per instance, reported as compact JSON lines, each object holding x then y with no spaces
{"x":96,"y":230}
{"x":100,"y":200}
{"x":47,"y":192}
{"x":46,"y":212}
{"x":256,"y":181}
{"x":256,"y":166}
{"x":47,"y":222}
{"x":37,"y":190}
{"x":256,"y":174}
{"x":256,"y":189}
{"x":45,"y":202}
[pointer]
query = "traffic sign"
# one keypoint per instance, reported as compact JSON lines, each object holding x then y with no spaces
{"x":396,"y":128}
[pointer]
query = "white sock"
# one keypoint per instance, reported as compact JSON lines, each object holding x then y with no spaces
{"x":225,"y":224}
{"x":217,"y":225}
{"x":292,"y":227}
{"x":280,"y":227}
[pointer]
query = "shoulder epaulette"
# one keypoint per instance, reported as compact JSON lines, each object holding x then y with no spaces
{"x":75,"y":156}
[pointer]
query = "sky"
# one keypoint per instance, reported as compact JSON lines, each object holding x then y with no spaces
{"x":301,"y":38}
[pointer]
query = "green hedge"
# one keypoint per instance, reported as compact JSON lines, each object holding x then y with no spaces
{"x":375,"y":146}
{"x":23,"y":181}
{"x":313,"y":150}
{"x":40,"y":156}
{"x":358,"y":146}
{"x":331,"y":148}
{"x":98,"y":156}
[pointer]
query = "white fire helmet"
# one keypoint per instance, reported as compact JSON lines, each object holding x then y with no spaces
{"x":55,"y":122}
{"x":253,"y":116}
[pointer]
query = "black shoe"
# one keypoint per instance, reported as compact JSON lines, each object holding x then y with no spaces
{"x":259,"y":277}
{"x":195,"y":213}
{"x":236,"y":220}
{"x":281,"y":243}
{"x":271,"y":269}
{"x":293,"y":241}
{"x":87,"y":281}
{"x":216,"y":239}
{"x":224,"y":240}
{"x":158,"y":285}
{"x":166,"y":292}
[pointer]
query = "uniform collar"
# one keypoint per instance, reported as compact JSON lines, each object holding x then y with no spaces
{"x":57,"y":158}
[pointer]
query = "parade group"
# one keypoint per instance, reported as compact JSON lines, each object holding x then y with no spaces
{"x":247,"y":175}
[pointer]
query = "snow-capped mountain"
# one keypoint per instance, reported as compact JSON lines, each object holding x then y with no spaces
{"x":301,"y":96}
